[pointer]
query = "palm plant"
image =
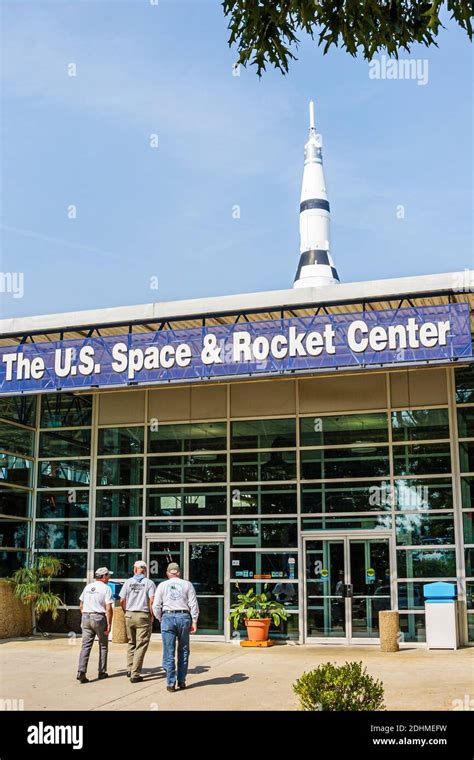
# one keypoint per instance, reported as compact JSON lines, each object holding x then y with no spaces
{"x":32,"y":585}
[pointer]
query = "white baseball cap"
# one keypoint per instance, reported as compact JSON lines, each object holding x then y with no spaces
{"x":102,"y":571}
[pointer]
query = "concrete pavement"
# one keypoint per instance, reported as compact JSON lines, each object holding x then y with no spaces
{"x":224,"y":676}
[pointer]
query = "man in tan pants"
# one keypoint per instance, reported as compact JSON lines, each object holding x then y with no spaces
{"x":136,"y":600}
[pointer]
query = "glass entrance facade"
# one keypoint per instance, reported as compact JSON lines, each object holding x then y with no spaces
{"x":348,"y":582}
{"x":368,"y":477}
{"x":201,"y":561}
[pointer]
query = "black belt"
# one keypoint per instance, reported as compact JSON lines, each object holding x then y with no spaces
{"x":176,"y":612}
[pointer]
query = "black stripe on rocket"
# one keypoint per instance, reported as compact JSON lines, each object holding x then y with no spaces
{"x":314,"y":203}
{"x":317,"y":256}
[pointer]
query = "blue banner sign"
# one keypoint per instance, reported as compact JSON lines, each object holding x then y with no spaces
{"x":434,"y":333}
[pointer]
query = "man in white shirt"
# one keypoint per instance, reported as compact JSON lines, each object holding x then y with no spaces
{"x":96,"y":603}
{"x":177,"y":609}
{"x":136,"y":600}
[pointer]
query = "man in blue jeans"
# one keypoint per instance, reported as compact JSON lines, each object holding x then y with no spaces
{"x":176,"y":607}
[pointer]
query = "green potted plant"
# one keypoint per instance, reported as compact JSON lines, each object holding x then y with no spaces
{"x":32,"y":585}
{"x":256,"y":612}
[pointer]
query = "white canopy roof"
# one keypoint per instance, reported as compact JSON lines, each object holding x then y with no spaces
{"x":424,"y":290}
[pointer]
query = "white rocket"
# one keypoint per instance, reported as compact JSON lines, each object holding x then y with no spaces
{"x":316,"y":266}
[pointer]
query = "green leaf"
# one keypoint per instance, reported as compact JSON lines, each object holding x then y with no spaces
{"x":266,"y":32}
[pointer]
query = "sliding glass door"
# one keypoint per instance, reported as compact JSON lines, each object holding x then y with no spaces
{"x":347,"y":583}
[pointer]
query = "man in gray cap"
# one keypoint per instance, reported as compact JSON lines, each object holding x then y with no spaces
{"x":136,"y":600}
{"x":97,"y":607}
{"x":176,"y":608}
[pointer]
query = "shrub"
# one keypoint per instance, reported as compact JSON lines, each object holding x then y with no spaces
{"x":339,"y":687}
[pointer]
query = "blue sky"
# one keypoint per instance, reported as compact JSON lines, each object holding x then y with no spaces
{"x":224,"y":141}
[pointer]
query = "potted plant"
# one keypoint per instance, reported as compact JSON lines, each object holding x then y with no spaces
{"x":256,"y":612}
{"x":32,"y":585}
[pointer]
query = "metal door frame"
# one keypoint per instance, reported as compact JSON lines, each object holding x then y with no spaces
{"x":205,"y":538}
{"x":346,"y":536}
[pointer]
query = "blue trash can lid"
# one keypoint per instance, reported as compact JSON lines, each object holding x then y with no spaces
{"x":439,"y":590}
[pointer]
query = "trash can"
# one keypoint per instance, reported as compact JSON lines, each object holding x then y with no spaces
{"x":116,"y":587}
{"x":119,"y":633}
{"x":441,"y":615}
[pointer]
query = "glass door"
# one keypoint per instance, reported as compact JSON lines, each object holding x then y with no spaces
{"x":347,"y":583}
{"x":206,"y":572}
{"x":325,"y":589}
{"x":370,"y":580}
{"x":201,"y":560}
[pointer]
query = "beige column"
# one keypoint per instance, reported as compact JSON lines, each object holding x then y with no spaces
{"x":119,"y":633}
{"x":389,"y":622}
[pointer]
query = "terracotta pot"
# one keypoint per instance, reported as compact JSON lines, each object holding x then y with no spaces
{"x":257,"y":628}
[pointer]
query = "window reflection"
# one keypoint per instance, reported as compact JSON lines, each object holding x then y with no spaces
{"x":61,"y":474}
{"x":65,"y":443}
{"x":193,"y":468}
{"x":263,"y":434}
{"x":414,"y":495}
{"x":357,"y":462}
{"x":186,"y":502}
{"x":418,"y":424}
{"x":18,"y":409}
{"x":16,"y":470}
{"x":13,"y":534}
{"x":67,"y":535}
{"x":119,"y":502}
{"x":418,"y":459}
{"x":16,"y":440}
{"x":344,"y":429}
{"x":424,"y":529}
{"x":71,"y":503}
{"x":267,"y":565}
{"x":120,"y":472}
{"x":263,"y":499}
{"x":264,"y":466}
{"x":427,"y":563}
{"x":260,"y":533}
{"x":121,"y":440}
{"x":202,"y":436}
{"x":65,"y":410}
{"x":119,"y":534}
{"x":15,"y":502}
